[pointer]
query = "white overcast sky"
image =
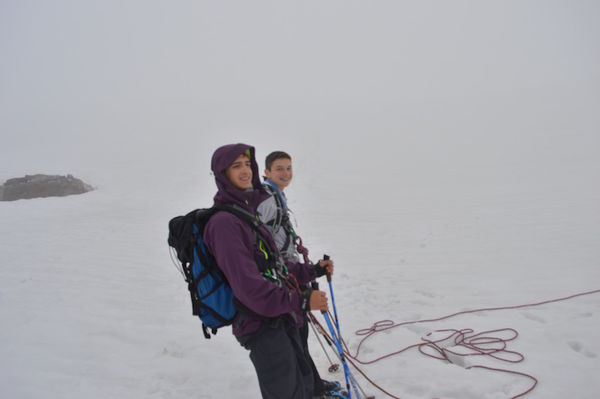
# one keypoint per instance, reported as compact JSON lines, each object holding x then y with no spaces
{"x":88,"y":82}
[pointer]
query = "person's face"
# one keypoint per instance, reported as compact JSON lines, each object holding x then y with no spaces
{"x":281,"y":173}
{"x":239,"y":173}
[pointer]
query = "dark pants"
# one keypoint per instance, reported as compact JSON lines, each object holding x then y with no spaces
{"x":280,"y":362}
{"x":317,"y":382}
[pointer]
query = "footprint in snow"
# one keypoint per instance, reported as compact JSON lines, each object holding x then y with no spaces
{"x":420,"y":330}
{"x":172,"y":353}
{"x":420,"y":302}
{"x":533,"y":317}
{"x":579,"y":348}
{"x":425,"y":293}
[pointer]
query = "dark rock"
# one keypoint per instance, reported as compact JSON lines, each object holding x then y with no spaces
{"x":37,"y":186}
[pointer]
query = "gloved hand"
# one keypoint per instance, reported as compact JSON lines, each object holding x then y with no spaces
{"x":323,"y":267}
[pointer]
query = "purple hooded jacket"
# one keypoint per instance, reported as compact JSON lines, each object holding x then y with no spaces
{"x":231,"y":241}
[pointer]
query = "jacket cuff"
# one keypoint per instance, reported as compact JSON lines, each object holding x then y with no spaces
{"x":305,"y":299}
{"x":318,"y":270}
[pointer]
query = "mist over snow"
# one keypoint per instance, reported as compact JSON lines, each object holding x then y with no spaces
{"x":446,"y":155}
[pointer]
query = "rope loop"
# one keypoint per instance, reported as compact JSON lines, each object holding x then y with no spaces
{"x":454,"y":345}
{"x":378,"y":326}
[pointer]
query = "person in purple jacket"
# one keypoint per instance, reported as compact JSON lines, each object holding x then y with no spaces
{"x":267,"y":287}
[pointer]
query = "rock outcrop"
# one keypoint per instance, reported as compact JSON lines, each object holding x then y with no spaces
{"x":39,"y":186}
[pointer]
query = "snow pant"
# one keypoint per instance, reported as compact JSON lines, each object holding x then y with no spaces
{"x":319,"y":388}
{"x":278,"y":356}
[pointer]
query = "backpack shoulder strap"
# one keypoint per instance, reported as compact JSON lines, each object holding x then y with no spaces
{"x":253,"y":221}
{"x":240,"y":213}
{"x":277,"y":222}
{"x":266,"y":257}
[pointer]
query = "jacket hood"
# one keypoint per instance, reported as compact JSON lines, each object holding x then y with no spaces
{"x":227,"y":193}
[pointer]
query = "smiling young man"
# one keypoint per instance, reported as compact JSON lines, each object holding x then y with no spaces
{"x":239,"y":173}
{"x":278,"y":169}
{"x":272,"y":308}
{"x":274,"y":213}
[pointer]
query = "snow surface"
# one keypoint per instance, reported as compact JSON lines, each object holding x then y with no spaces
{"x":91,"y":305}
{"x":446,"y":155}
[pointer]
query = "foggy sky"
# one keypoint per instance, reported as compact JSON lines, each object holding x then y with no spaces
{"x":86,"y":84}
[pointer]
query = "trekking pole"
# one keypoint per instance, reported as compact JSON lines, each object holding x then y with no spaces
{"x":316,"y":326}
{"x":333,"y":367}
{"x":337,"y":339}
{"x":337,"y":323}
{"x":356,"y":386}
{"x":328,"y":340}
{"x":340,"y":352}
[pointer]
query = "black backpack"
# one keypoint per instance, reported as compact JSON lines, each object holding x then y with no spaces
{"x":211,"y":295}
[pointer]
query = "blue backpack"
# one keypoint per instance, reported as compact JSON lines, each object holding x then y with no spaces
{"x":212,"y":297}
